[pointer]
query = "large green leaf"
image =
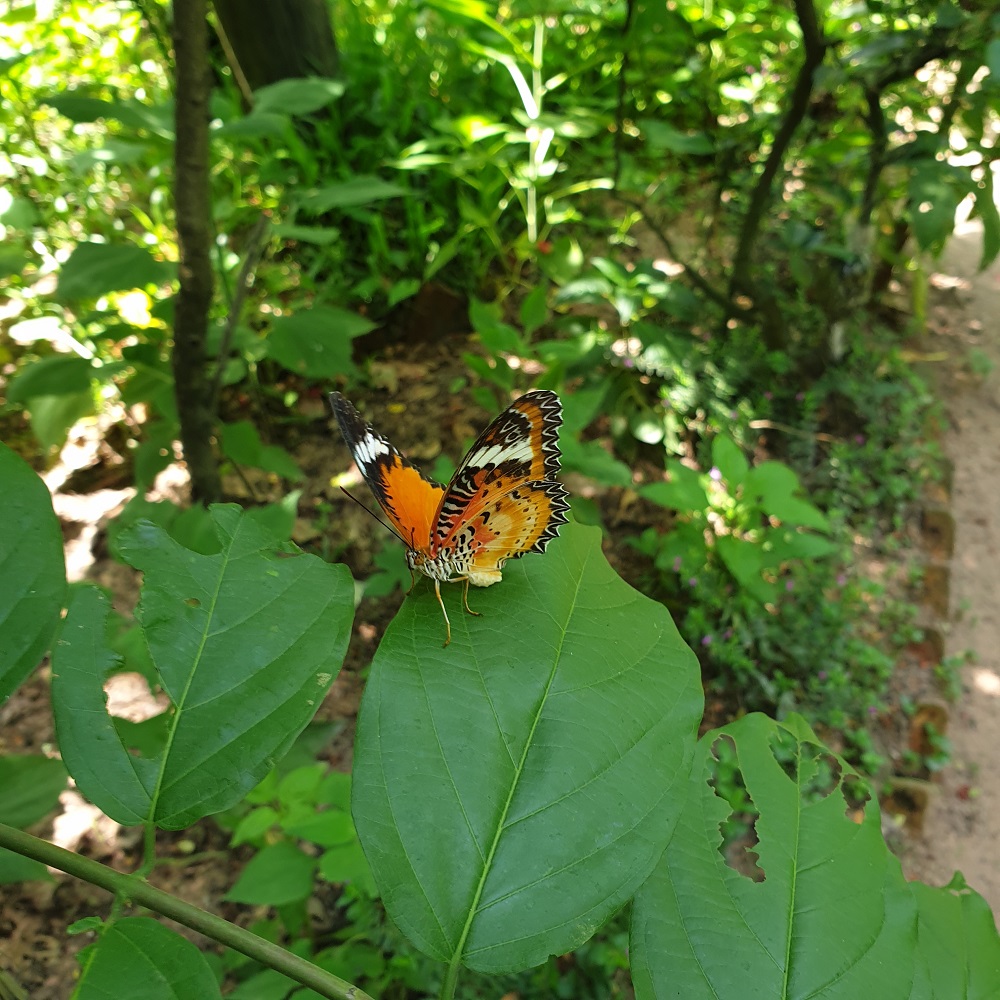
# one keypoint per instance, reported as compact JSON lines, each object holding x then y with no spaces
{"x":833,"y":916}
{"x":512,"y":790}
{"x":316,"y":342}
{"x":299,"y":96}
{"x":139,"y":957}
{"x":245,"y":641}
{"x":94,"y":269}
{"x":32,"y":571}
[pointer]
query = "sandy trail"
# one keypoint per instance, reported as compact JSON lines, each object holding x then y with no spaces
{"x":963,"y":821}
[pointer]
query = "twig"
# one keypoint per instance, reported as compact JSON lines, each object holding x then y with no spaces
{"x":256,"y":245}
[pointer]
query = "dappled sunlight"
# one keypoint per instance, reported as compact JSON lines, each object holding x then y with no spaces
{"x":986,"y":681}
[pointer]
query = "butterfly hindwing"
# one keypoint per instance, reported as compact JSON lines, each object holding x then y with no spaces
{"x":520,"y":446}
{"x":407,"y":498}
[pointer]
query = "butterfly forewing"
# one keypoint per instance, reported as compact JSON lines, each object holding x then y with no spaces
{"x":520,"y":446}
{"x":407,"y":498}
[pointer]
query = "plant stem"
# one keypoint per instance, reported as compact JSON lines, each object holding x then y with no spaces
{"x":138,"y":891}
{"x":450,"y":980}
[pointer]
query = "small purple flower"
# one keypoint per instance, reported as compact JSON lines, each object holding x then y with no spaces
{"x":789,"y":585}
{"x":841,"y":579}
{"x":872,"y":710}
{"x":859,"y":438}
{"x":799,"y":396}
{"x":768,"y":394}
{"x":728,"y":634}
{"x":693,"y":581}
{"x":714,"y":474}
{"x":822,"y":675}
{"x":628,"y":362}
{"x":677,"y":564}
{"x":706,"y":640}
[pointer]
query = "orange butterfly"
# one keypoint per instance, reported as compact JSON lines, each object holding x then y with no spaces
{"x":502,"y":502}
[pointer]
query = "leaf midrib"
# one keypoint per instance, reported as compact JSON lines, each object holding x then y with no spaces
{"x":179,"y":705}
{"x":518,"y":771}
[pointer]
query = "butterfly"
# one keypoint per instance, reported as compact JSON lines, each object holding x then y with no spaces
{"x":502,"y":502}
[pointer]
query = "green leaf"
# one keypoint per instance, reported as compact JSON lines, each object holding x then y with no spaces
{"x":94,"y":269}
{"x":297,"y":97}
{"x":278,"y":875}
{"x":773,"y":485}
{"x":682,"y":491}
{"x":591,"y":459}
{"x":32,"y":571}
{"x":833,"y":917}
{"x":730,"y":461}
{"x":321,"y":236}
{"x":346,"y":865}
{"x":245,"y":641}
{"x":535,"y":309}
{"x":53,"y":416}
{"x":362,"y":190}
{"x":139,"y":957}
{"x":660,"y":135}
{"x":17,"y":868}
{"x":512,"y":790}
{"x":30,"y":786}
{"x":59,"y":375}
{"x":746,"y":560}
{"x":316,"y":342}
{"x":958,"y":951}
{"x":986,"y":209}
{"x":933,"y":199}
{"x":242,"y":443}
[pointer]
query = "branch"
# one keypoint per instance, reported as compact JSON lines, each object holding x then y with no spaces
{"x":256,"y":245}
{"x":139,"y":891}
{"x":192,"y":205}
{"x":690,"y":273}
{"x":815,"y":48}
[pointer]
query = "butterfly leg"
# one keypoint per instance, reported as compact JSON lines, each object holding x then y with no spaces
{"x":413,"y":583}
{"x":444,"y":611}
{"x":465,"y":600}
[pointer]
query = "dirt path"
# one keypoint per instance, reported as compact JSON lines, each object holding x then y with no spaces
{"x":961,"y":828}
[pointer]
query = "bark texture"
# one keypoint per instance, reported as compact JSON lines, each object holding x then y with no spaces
{"x":192,"y":205}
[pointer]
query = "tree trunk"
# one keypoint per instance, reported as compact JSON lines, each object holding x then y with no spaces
{"x":267,"y":40}
{"x":192,"y":204}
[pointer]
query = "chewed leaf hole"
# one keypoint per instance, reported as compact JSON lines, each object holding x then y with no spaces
{"x":857,"y":795}
{"x":812,"y":767}
{"x":739,"y":829}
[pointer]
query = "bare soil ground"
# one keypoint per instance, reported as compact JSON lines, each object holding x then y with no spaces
{"x":960,"y":828}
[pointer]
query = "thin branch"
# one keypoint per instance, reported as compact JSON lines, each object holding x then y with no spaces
{"x":690,"y":273}
{"x":815,"y":49}
{"x":255,"y":247}
{"x":139,"y":891}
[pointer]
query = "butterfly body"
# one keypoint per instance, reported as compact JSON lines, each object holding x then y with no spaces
{"x":502,"y":502}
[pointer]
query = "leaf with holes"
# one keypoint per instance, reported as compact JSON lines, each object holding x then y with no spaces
{"x":832,"y":918}
{"x":246,"y":640}
{"x":513,"y":790}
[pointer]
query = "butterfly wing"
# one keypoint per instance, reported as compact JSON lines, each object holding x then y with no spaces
{"x":503,"y":500}
{"x":407,"y":498}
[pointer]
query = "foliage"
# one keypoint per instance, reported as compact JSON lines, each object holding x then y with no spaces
{"x":593,"y":179}
{"x":452,"y":801}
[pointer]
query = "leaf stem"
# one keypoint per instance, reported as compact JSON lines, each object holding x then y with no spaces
{"x":139,"y":891}
{"x":450,"y":979}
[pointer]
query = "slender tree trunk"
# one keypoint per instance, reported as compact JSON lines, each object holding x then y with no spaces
{"x":192,"y":205}
{"x":741,"y":283}
{"x":270,"y":40}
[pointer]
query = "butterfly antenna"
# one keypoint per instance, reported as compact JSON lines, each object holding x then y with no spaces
{"x":365,"y":507}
